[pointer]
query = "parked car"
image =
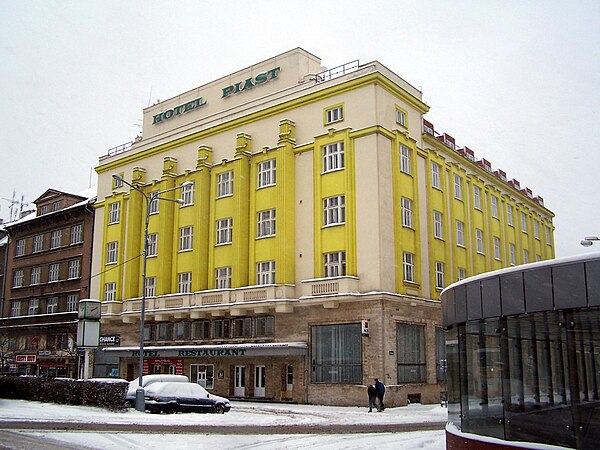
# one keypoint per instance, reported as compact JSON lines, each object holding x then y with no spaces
{"x":172,"y":397}
{"x":147,"y":380}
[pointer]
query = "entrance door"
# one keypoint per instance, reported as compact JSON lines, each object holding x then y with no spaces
{"x":239,"y":388}
{"x":259,"y":381}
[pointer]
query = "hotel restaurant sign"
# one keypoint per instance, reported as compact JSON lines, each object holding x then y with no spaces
{"x":233,"y":89}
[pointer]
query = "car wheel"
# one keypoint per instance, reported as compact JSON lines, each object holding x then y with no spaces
{"x":219,"y":409}
{"x":171,"y":410}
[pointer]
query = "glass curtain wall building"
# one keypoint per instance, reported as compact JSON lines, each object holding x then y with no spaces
{"x":522,"y":348}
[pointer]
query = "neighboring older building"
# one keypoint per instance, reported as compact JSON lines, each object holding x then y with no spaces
{"x":47,"y":272}
{"x":319,"y":218}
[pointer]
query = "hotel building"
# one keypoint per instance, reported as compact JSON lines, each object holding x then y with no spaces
{"x":306,"y":221}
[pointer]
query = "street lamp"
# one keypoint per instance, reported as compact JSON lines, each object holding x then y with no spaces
{"x":589,"y":240}
{"x":140,"y":403}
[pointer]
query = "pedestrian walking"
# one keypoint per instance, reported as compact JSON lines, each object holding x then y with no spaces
{"x":380,"y":389}
{"x":372,"y":398}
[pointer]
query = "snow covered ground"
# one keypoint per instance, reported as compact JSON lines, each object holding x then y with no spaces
{"x":241,"y":414}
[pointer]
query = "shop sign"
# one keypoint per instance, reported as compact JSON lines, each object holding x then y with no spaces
{"x":213,"y":352}
{"x":26,"y":358}
{"x":114,"y":340}
{"x":177,"y":362}
{"x":249,"y":83}
{"x":180,"y":109}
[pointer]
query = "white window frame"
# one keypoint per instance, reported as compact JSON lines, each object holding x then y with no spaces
{"x":462,"y":273}
{"x":184,"y":282}
{"x":497,"y":248}
{"x":224,"y":231}
{"x":72,"y":302}
{"x":56,"y":239}
{"x":267,"y":173}
{"x":509,"y":215}
{"x":460,"y":233}
{"x":494,"y":201}
{"x":523,"y":222}
{"x":401,"y":117}
{"x":35,"y":275}
{"x":153,"y":206}
{"x":20,"y":248}
{"x":265,"y":272}
{"x":18,"y":278}
{"x":186,"y":238}
{"x":187,"y":193}
{"x":112,"y":252}
{"x":477,"y":197}
{"x":33,"y":306}
{"x":223,"y":278}
{"x":334,"y":210}
{"x":435,"y":175}
{"x":511,"y":251}
{"x":479,"y":240}
{"x":38,"y":243}
{"x":225,"y":184}
{"x":439,"y":275}
{"x":51,"y":305}
{"x":408,"y":267}
{"x":53,"y":273}
{"x":405,"y":159}
{"x":74,"y":269}
{"x":548,"y":236}
{"x":457,"y":187}
{"x":110,"y":291}
{"x":536,"y":228}
{"x":335,"y":114}
{"x":525,"y":256}
{"x":407,"y":213}
{"x":150,"y":287}
{"x":437,"y":225}
{"x":333,"y":157}
{"x":15,"y":309}
{"x":114,"y":213}
{"x":334,"y":264}
{"x":152,"y":248}
{"x":76,"y":234}
{"x":266,"y":223}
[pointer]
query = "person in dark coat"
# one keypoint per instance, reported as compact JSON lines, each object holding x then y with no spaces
{"x":380,"y":389}
{"x":372,"y":398}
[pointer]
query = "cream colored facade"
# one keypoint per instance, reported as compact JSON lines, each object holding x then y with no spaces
{"x":322,"y":162}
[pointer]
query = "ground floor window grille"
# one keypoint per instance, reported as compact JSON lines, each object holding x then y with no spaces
{"x":410,"y":343}
{"x":336,"y":354}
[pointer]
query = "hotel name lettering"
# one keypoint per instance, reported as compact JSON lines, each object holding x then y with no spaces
{"x":240,"y":86}
{"x":196,"y":353}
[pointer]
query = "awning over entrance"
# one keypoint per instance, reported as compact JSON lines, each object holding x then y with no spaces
{"x":198,"y":351}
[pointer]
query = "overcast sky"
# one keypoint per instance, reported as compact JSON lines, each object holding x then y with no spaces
{"x":516,"y":81}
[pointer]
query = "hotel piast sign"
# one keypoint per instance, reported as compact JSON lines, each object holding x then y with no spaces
{"x":249,"y":83}
{"x":180,"y":109}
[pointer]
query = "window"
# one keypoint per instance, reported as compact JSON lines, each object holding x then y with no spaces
{"x":457,"y":187}
{"x":184,"y":282}
{"x":497,"y":248}
{"x":164,"y":331}
{"x":203,"y":374}
{"x":264,"y":326}
{"x":187,"y":193}
{"x":152,"y":249}
{"x":548,"y":236}
{"x":408,"y":266}
{"x":336,"y":354}
{"x":110,"y":292}
{"x":509,"y":215}
{"x":460,"y":233}
{"x":20,"y":250}
{"x":494,"y":207}
{"x":511,"y":250}
{"x":334,"y":210}
{"x":38,"y":243}
{"x":33,"y":306}
{"x":267,"y":175}
{"x":407,"y":212}
{"x":242,"y":327}
{"x":221,"y":328}
{"x":117,"y":181}
{"x":538,"y":257}
{"x":536,"y":229}
{"x":18,"y":278}
{"x":335,"y":114}
{"x":150,"y":287}
{"x":114,"y":212}
{"x":153,"y":206}
{"x":43,"y":210}
{"x":439,"y":275}
{"x":437,"y":225}
{"x":266,"y":223}
{"x":185,"y":238}
{"x":74,"y":268}
{"x":57,"y":342}
{"x":76,"y":234}
{"x":335,"y":264}
{"x":72,"y":302}
{"x":435,"y":175}
{"x":35,"y":275}
{"x":56,"y":239}
{"x":52,"y":305}
{"x":224,"y":231}
{"x":225,"y":184}
{"x":265,"y":272}
{"x":410,"y":347}
{"x":53,"y":272}
{"x":223,"y":278}
{"x":333,"y":156}
{"x":477,"y":197}
{"x":525,"y":256}
{"x":15,"y":309}
{"x":201,"y":329}
{"x":524,"y":222}
{"x":55,"y":206}
{"x":181,"y":331}
{"x":405,"y":159}
{"x":112,"y":250}
{"x":462,"y":273}
{"x":479,"y":240}
{"x":401,"y":117}
{"x":440,"y":354}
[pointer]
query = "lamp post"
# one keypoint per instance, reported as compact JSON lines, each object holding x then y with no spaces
{"x":140,"y":403}
{"x":589,"y":240}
